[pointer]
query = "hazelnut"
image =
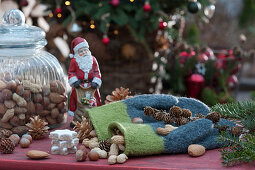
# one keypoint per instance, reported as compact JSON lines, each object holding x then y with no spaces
{"x":24,"y":143}
{"x":27,"y":136}
{"x":27,"y":95}
{"x":83,"y":148}
{"x":15,"y":139}
{"x":54,"y":86}
{"x":38,"y":98}
{"x":11,"y":85}
{"x":7,"y":94}
{"x":20,"y":90}
{"x":81,"y":155}
{"x":93,"y":156}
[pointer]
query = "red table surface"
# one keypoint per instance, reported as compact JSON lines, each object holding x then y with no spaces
{"x":19,"y":160}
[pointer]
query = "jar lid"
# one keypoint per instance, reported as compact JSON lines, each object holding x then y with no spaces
{"x":14,"y":33}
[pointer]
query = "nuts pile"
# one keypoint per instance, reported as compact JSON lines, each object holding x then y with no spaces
{"x":21,"y":99}
{"x":99,"y":150}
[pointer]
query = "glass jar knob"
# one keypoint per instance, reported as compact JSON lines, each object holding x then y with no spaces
{"x":14,"y":17}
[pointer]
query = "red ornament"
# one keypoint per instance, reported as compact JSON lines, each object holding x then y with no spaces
{"x":58,"y":10}
{"x":23,"y":3}
{"x":147,"y":7}
{"x":105,"y":40}
{"x":232,"y":81}
{"x":195,"y":85}
{"x":114,"y":3}
{"x":162,"y":25}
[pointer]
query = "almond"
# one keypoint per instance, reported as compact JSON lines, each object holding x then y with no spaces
{"x":2,"y":85}
{"x":196,"y":150}
{"x":56,"y":98}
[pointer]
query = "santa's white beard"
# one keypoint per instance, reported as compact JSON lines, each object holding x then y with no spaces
{"x":84,"y":62}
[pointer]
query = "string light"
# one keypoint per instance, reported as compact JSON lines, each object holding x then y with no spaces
{"x":68,"y":3}
{"x":132,"y":0}
{"x":108,"y":25}
{"x":92,"y":22}
{"x":92,"y":26}
{"x":115,"y":32}
{"x":100,"y":4}
{"x":59,"y":15}
{"x":51,"y":15}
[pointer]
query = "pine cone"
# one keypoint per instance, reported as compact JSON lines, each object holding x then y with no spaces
{"x":158,"y":115}
{"x":4,"y":133}
{"x":148,"y":111}
{"x":6,"y":146}
{"x":186,"y":113}
{"x":222,"y":128}
{"x":236,"y":130}
{"x":176,"y":111}
{"x":214,"y":117}
{"x":37,"y":128}
{"x":119,"y":94}
{"x":83,"y":129}
{"x":199,"y":115}
{"x":181,"y":121}
{"x":105,"y":145}
{"x":168,"y":118}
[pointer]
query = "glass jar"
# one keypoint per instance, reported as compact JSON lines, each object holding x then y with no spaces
{"x":32,"y":81}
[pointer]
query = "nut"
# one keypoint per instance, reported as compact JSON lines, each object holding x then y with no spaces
{"x":24,"y":143}
{"x":8,"y":115}
{"x":12,"y":85}
{"x":20,"y":90}
{"x":53,"y":86}
{"x":30,"y":107}
{"x":35,"y":154}
{"x":27,"y":95}
{"x":9,"y":104}
{"x":5,"y":125}
{"x":35,"y":88}
{"x":38,"y":108}
{"x":118,"y":139}
{"x":27,"y":136}
{"x":163,"y":131}
{"x":93,"y":144}
{"x":112,"y":159}
{"x":61,"y":88}
{"x":51,"y":106}
{"x":19,"y":130}
{"x":50,"y":120}
{"x":54,"y":113}
{"x":38,"y":98}
{"x":44,"y":113}
{"x":61,"y":105}
{"x":93,"y":156}
{"x":196,"y":150}
{"x":114,"y":149}
{"x":122,"y":158}
{"x":14,"y":121}
{"x":81,"y":155}
{"x":46,"y":101}
{"x":22,"y":116}
{"x":7,"y":94}
{"x":15,"y":139}
{"x":19,"y":100}
{"x":56,"y":98}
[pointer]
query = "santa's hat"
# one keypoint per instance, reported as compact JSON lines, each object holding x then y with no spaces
{"x":76,"y":44}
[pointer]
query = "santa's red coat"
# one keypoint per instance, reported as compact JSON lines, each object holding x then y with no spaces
{"x":75,"y":73}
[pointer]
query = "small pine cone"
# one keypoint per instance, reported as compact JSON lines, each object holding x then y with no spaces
{"x":105,"y":145}
{"x":214,"y":117}
{"x":6,"y":146}
{"x":158,"y":116}
{"x":168,"y":118}
{"x":222,"y":128}
{"x":236,"y":130}
{"x":186,"y":113}
{"x":176,"y":111}
{"x":148,"y":111}
{"x":4,"y":133}
{"x":181,"y":121}
{"x":199,"y":115}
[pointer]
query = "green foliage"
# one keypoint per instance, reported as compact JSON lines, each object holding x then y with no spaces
{"x":242,"y":112}
{"x":209,"y":96}
{"x":252,"y":95}
{"x":248,"y":13}
{"x":192,"y":36}
{"x":237,"y":150}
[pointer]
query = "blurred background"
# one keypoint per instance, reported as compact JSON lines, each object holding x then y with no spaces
{"x":195,"y":48}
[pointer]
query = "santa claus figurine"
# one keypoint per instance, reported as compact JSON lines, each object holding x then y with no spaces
{"x":83,"y":71}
